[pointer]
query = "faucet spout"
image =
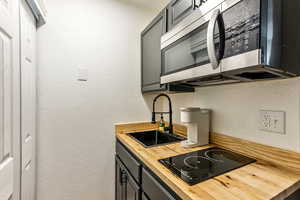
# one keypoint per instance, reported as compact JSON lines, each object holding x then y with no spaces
{"x":170,"y":128}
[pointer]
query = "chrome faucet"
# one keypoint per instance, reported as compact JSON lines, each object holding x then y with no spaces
{"x":170,"y":128}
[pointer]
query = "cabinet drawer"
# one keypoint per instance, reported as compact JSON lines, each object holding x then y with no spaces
{"x":132,"y":165}
{"x":153,"y":188}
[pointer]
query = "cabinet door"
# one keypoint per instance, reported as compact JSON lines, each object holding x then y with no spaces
{"x":126,"y":187}
{"x":118,"y":185}
{"x":151,"y":53}
{"x":178,"y":10}
{"x":144,"y":197}
{"x":132,"y":189}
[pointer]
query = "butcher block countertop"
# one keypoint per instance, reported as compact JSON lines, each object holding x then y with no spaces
{"x":275,"y":175}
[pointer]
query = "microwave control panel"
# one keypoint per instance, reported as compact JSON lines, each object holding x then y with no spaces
{"x":242,"y":27}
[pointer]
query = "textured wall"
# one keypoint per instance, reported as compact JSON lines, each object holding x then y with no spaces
{"x":75,"y":127}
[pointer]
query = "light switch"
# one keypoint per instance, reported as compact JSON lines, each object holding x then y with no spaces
{"x":82,"y":74}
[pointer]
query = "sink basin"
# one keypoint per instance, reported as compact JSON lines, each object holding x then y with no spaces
{"x":155,"y":138}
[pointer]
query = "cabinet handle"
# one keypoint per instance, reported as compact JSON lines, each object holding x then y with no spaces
{"x":123,"y":177}
{"x":195,"y":4}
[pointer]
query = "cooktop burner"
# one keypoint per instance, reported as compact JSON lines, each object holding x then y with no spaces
{"x":199,"y":166}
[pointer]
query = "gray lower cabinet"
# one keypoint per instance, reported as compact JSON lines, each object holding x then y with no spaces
{"x":178,"y":10}
{"x":144,"y":196}
{"x":126,"y":187}
{"x":153,"y":189}
{"x":133,"y":181}
{"x":294,"y":196}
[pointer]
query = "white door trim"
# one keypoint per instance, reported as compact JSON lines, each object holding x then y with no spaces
{"x":28,"y":102}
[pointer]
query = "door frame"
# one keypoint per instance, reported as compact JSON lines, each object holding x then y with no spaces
{"x":28,"y":178}
{"x":16,"y":113}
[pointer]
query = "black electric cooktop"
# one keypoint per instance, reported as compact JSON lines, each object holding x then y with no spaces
{"x":199,"y":166}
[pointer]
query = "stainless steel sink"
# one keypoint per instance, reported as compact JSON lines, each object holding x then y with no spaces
{"x":155,"y":138}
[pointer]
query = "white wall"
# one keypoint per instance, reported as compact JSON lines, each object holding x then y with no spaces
{"x":236,"y":109}
{"x":75,"y":127}
{"x":76,"y":119}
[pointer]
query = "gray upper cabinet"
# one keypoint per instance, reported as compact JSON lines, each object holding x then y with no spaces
{"x":151,"y":59}
{"x":151,"y":54}
{"x":178,"y":10}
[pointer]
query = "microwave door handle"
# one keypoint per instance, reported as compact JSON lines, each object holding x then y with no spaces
{"x":195,"y":4}
{"x":210,"y":39}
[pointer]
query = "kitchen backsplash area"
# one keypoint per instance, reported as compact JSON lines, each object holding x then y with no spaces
{"x":236,"y":109}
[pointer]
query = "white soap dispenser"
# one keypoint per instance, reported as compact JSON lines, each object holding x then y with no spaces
{"x":197,"y":121}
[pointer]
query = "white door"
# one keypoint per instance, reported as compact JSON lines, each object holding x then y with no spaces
{"x":9,"y":100}
{"x":28,"y":101}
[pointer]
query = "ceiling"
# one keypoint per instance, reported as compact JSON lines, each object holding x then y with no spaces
{"x":151,"y":4}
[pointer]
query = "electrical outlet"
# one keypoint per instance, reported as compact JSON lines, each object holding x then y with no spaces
{"x":272,"y":121}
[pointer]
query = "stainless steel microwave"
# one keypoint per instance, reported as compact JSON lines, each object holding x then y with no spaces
{"x":226,"y":41}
